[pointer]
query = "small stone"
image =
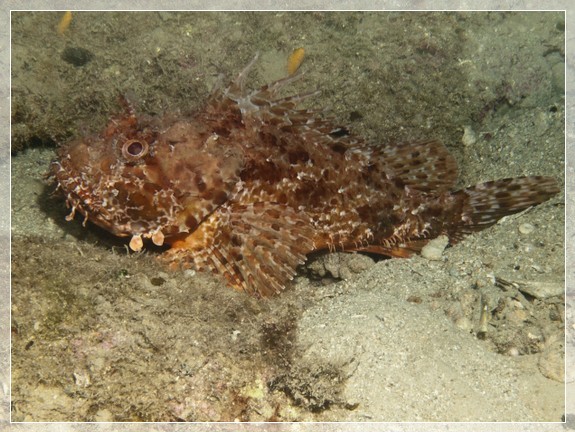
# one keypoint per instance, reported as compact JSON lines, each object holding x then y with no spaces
{"x":469,"y":137}
{"x":434,"y":249}
{"x":339,"y":265}
{"x":552,"y":361}
{"x":464,"y":324}
{"x":82,"y":378}
{"x":526,"y":228}
{"x":541,"y":290}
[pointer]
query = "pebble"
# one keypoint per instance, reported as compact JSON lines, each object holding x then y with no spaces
{"x":434,"y":249}
{"x":469,"y":137}
{"x":552,"y":361}
{"x":464,"y":324}
{"x":526,"y":228}
{"x":541,"y":290}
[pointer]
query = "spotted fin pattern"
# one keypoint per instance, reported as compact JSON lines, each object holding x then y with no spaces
{"x":256,"y":247}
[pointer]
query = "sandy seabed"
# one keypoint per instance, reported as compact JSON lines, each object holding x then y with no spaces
{"x":99,"y":334}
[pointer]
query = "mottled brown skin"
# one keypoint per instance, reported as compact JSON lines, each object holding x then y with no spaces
{"x":250,"y":185}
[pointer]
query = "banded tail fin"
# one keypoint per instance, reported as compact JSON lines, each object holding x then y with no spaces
{"x":484,"y":204}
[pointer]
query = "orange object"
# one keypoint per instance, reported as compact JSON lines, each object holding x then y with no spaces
{"x":295,"y":60}
{"x":252,"y":184}
{"x":64,"y":22}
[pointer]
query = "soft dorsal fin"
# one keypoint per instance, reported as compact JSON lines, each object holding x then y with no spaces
{"x":423,"y":165}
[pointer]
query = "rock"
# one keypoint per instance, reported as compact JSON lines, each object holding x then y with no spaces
{"x":552,"y":361}
{"x":526,"y":228}
{"x":340,"y":265}
{"x":469,"y":137}
{"x":541,"y":290}
{"x":433,"y":250}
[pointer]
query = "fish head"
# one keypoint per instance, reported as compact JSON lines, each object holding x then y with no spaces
{"x":147,"y":177}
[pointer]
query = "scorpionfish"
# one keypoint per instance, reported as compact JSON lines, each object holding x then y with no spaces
{"x":251,"y":184}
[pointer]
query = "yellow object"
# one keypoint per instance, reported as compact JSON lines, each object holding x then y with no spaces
{"x":65,"y":22}
{"x":295,"y":60}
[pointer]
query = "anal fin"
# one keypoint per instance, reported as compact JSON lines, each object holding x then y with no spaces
{"x":402,"y":250}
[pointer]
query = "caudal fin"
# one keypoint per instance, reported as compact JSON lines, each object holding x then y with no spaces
{"x":484,"y":204}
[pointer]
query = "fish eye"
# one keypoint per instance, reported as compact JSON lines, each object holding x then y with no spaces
{"x":133,"y":150}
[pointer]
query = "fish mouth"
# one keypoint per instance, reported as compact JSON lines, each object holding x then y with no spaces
{"x":80,"y":199}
